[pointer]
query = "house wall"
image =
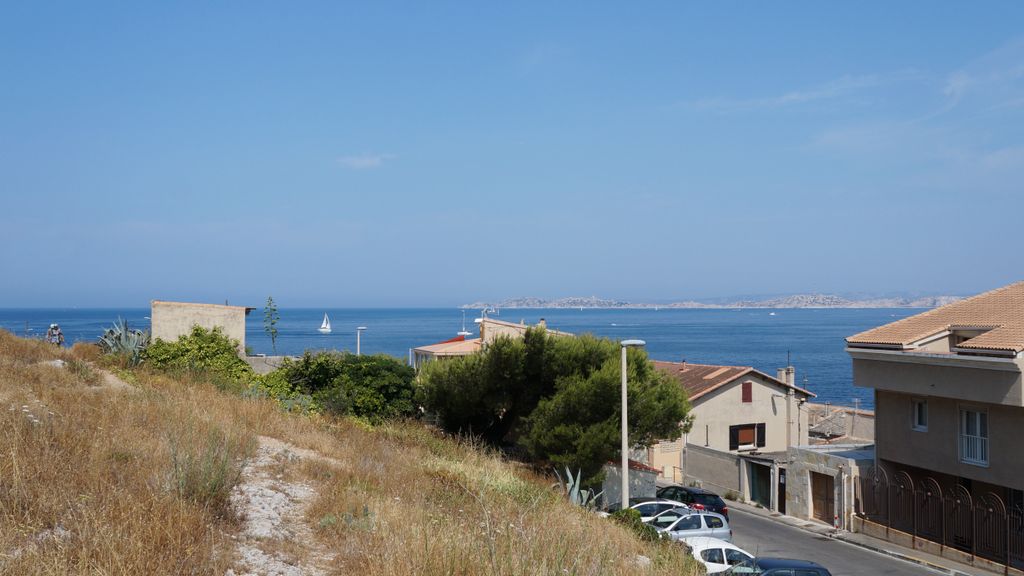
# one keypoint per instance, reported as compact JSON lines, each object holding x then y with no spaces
{"x":668,"y":456}
{"x":938,"y":448}
{"x":714,"y":413}
{"x":169,"y":320}
{"x":974,"y":380}
{"x":713,"y":469}
{"x":491,"y":331}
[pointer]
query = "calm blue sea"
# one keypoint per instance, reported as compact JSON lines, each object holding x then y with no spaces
{"x":813,"y":338}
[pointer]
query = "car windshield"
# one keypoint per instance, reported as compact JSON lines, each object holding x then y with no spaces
{"x":666,"y":519}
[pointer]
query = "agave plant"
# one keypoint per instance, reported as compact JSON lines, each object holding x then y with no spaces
{"x":122,"y":340}
{"x":577,"y":495}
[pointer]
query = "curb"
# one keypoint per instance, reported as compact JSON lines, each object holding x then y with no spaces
{"x":840,"y":536}
{"x":904,"y":557}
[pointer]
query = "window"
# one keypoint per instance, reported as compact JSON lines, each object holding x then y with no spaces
{"x":748,"y":393}
{"x":647,"y":509}
{"x":688,"y":523}
{"x":974,"y":437}
{"x":714,"y":522}
{"x":713,"y":555}
{"x":734,"y":557}
{"x":746,"y":436}
{"x":919,"y":415}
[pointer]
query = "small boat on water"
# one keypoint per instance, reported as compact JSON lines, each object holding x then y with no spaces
{"x":325,"y":327}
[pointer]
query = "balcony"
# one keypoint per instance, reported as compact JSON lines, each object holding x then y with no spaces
{"x":974,"y":450}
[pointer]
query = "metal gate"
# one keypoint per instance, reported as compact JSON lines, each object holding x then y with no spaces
{"x":982,"y":527}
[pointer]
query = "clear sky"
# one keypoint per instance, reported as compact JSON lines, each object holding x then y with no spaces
{"x":432,"y":153}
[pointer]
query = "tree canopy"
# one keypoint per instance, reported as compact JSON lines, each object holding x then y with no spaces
{"x":557,"y":397}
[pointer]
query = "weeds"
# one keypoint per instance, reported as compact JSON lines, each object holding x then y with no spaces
{"x":204,"y":470}
{"x":137,"y":481}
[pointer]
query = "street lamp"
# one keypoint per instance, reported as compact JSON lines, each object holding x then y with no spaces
{"x":359,"y":333}
{"x":625,"y":442}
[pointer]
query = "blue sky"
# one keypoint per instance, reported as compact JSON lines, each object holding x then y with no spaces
{"x":389,"y":154}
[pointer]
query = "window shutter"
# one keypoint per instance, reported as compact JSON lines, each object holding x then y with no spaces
{"x":760,"y":435}
{"x":734,"y":437}
{"x":747,"y":392}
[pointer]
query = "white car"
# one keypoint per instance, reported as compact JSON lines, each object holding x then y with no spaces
{"x":716,"y":555}
{"x":648,"y":507}
{"x":680,"y":523}
{"x":648,"y":510}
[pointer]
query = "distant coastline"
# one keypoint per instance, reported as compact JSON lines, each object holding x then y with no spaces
{"x":794,"y":301}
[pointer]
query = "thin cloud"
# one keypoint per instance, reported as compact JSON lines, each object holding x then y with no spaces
{"x":838,"y":88}
{"x":365,"y":161}
{"x":996,"y":76}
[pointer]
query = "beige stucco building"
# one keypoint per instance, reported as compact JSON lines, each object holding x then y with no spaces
{"x":949,"y":404}
{"x":742,"y":419}
{"x":169,"y":320}
{"x":490,"y":330}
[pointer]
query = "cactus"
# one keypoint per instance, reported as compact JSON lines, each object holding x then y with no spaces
{"x":120,"y":339}
{"x":576,"y":494}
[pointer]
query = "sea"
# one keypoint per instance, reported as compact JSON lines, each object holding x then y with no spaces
{"x":809,"y":339}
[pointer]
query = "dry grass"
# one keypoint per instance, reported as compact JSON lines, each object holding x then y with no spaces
{"x":97,"y":480}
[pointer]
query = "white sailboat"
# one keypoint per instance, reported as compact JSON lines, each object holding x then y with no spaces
{"x":325,"y":327}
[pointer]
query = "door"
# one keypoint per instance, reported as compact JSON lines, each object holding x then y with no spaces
{"x":823,"y":497}
{"x":761,"y":484}
{"x":782,"y":491}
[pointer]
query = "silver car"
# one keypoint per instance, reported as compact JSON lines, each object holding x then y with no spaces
{"x":680,"y":523}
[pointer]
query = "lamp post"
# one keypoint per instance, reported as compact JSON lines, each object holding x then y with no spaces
{"x":625,"y":442}
{"x":359,"y":333}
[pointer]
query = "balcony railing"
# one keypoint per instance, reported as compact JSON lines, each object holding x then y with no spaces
{"x":974,"y":449}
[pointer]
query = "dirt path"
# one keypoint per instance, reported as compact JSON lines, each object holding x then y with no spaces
{"x":275,"y":538}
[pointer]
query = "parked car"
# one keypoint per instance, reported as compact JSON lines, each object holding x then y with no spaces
{"x":716,"y":555}
{"x":779,"y":567}
{"x":680,"y":523}
{"x":696,"y":498}
{"x":648,"y":507}
{"x":615,"y":506}
{"x":651,"y":509}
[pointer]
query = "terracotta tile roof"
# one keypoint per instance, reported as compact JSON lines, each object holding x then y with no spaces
{"x":454,"y":347}
{"x":701,"y":379}
{"x":1000,"y":312}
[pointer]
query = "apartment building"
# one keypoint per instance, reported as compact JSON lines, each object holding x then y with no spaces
{"x":949,"y":407}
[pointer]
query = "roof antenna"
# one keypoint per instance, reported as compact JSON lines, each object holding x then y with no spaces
{"x":788,"y":362}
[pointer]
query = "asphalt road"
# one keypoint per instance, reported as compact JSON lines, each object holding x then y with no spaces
{"x":763,"y":537}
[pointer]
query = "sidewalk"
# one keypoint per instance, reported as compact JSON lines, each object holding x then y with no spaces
{"x":919,"y":557}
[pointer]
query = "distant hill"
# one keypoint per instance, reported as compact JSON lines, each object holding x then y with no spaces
{"x":794,"y":301}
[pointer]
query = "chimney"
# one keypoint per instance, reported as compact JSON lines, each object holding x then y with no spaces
{"x":780,"y":374}
{"x":791,"y":375}
{"x":682,"y":365}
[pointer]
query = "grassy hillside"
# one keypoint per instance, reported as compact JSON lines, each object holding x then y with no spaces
{"x":155,"y":478}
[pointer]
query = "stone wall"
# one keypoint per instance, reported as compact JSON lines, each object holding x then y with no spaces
{"x":641,"y":484}
{"x":842,"y":463}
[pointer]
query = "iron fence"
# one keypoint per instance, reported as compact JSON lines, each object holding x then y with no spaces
{"x":981,"y":526}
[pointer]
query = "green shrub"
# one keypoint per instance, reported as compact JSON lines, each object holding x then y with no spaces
{"x":375,"y":387}
{"x":203,"y":352}
{"x":631,"y":519}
